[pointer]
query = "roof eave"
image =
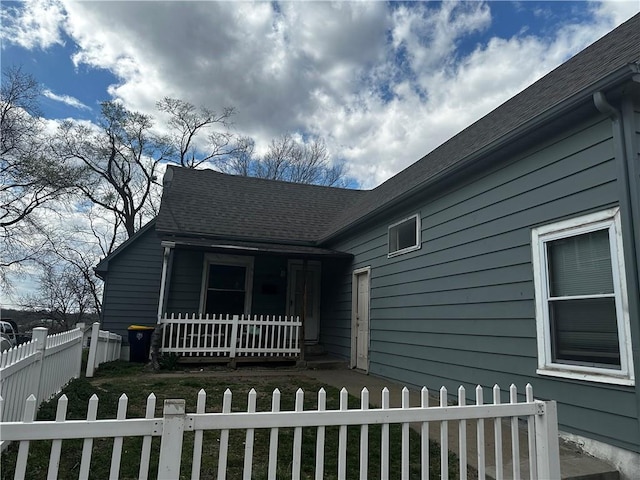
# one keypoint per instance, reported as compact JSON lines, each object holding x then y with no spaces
{"x":171,"y":234}
{"x":612,"y":80}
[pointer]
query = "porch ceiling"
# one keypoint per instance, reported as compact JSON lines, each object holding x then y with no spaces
{"x":245,"y":247}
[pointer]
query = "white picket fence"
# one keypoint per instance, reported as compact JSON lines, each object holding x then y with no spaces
{"x":40,"y":368}
{"x":231,"y":336}
{"x":540,"y":417}
{"x":43,"y":366}
{"x":104,"y":347}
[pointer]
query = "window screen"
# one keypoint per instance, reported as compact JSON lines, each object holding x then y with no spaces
{"x":583,"y":330}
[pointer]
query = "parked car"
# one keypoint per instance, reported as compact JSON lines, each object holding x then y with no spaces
{"x":8,"y":336}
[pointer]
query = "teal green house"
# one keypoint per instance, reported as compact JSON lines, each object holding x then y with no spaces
{"x":509,"y":254}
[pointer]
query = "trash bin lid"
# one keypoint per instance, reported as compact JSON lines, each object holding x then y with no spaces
{"x":139,"y":327}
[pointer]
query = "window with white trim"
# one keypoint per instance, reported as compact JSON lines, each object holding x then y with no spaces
{"x":226,"y":285}
{"x":404,"y":236}
{"x":581,"y":299}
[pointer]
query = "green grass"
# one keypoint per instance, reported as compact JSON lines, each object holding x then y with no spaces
{"x":120,"y":377}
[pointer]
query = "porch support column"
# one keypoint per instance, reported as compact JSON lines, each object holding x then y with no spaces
{"x":163,"y":279}
{"x":301,"y":335}
{"x":157,"y":332}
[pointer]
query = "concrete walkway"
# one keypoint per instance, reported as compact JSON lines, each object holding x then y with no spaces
{"x":574,"y":464}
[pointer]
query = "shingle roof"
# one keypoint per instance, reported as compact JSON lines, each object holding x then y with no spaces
{"x":612,"y":52}
{"x":212,"y":204}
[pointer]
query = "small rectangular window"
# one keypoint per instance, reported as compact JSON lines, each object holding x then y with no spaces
{"x":227,"y":285}
{"x":404,"y":236}
{"x":583,"y":328}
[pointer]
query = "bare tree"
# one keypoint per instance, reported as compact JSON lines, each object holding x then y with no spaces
{"x":29,"y":176}
{"x":63,"y":294}
{"x":120,"y":161}
{"x":199,"y":135}
{"x":287,"y":159}
{"x":241,"y":161}
{"x":74,"y":252}
{"x":30,"y":179}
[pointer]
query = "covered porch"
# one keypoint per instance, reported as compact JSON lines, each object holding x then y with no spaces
{"x":240,"y":301}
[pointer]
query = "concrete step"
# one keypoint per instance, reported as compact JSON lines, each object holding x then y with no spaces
{"x":324,"y":362}
{"x":314,"y":350}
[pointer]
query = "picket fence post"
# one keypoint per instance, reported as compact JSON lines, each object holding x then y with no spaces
{"x":93,"y":349}
{"x":82,"y":326}
{"x":547,"y":448}
{"x":171,"y":442}
{"x":234,"y":337}
{"x":40,"y":336}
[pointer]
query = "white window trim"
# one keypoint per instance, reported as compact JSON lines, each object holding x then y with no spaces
{"x":235,"y":260}
{"x":609,"y":219}
{"x":412,"y":248}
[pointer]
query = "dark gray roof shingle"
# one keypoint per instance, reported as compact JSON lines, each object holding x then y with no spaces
{"x":612,"y":52}
{"x":212,"y":204}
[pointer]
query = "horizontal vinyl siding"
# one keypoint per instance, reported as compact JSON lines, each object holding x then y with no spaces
{"x":133,"y":284}
{"x":186,"y":282}
{"x":335,"y":317}
{"x":637,"y":159}
{"x":460,"y":310}
{"x":269,"y":286}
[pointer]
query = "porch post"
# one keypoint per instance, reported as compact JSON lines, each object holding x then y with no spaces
{"x":163,"y":279}
{"x":301,"y":334}
{"x":157,"y":332}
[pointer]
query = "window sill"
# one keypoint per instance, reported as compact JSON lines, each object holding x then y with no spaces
{"x":403,"y":251}
{"x":604,"y":377}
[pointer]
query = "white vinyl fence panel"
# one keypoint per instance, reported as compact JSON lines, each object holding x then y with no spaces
{"x":104,"y":347}
{"x":43,"y":366}
{"x":541,"y":418}
{"x":40,"y":367}
{"x":231,"y":336}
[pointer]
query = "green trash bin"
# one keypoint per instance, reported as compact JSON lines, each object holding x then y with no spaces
{"x":139,"y":343}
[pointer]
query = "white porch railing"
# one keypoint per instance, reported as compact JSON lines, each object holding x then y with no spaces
{"x":541,"y":447}
{"x":230,"y":336}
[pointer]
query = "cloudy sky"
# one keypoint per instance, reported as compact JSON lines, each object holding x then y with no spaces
{"x":382,"y":82}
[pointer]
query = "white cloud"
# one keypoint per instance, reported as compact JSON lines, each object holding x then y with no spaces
{"x":383,"y":83}
{"x":66,"y":99}
{"x":32,"y":23}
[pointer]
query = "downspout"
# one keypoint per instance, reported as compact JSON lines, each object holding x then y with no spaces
{"x":630,"y":228}
{"x":157,"y":332}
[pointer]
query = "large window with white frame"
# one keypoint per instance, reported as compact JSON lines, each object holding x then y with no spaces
{"x":404,"y":236}
{"x":581,"y":299}
{"x":226,"y":285}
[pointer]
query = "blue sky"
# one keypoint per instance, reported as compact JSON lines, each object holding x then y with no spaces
{"x":382,"y":82}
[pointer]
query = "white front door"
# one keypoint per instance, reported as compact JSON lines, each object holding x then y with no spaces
{"x":360,"y":320}
{"x":301,"y":292}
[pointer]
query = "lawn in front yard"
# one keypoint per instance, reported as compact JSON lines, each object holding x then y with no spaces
{"x":116,"y":378}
